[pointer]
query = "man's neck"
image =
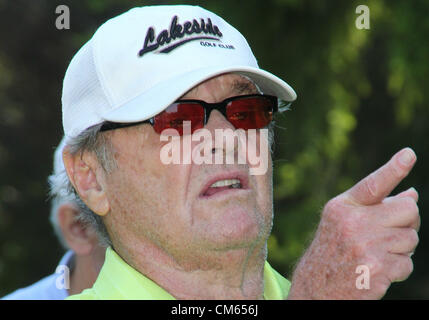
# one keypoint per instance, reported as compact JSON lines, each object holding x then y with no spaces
{"x":230,"y":274}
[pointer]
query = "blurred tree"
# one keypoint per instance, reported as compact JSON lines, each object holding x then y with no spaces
{"x":361,"y":97}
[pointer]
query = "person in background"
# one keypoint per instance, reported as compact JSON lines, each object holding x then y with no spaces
{"x":80,"y":265}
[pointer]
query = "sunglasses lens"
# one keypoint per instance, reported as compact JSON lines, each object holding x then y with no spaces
{"x":250,"y":113}
{"x":174,"y":116}
{"x":253,"y":112}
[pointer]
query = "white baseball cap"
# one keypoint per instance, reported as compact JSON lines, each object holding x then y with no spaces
{"x":141,"y":61}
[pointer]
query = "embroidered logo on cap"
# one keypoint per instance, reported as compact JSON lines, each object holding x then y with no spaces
{"x":178,"y":31}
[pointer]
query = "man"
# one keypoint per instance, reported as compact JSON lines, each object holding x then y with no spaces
{"x":79,"y":267}
{"x":199,"y":230}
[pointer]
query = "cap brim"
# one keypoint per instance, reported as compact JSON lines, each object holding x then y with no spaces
{"x":155,"y":100}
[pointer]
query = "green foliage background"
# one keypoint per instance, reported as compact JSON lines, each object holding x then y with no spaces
{"x":362,"y":96}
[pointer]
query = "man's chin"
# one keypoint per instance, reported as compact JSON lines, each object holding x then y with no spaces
{"x":237,"y":228}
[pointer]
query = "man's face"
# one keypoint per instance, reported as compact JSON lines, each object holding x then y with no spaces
{"x":172,"y":207}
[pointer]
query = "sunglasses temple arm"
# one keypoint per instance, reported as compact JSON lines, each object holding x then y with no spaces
{"x":285,"y":108}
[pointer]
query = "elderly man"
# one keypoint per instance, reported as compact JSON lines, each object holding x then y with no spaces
{"x":79,"y":267}
{"x":199,"y":230}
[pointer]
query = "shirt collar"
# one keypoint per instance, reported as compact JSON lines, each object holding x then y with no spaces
{"x":118,"y":280}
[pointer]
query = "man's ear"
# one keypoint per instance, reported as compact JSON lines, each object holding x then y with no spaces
{"x":77,"y":236}
{"x":87,"y":177}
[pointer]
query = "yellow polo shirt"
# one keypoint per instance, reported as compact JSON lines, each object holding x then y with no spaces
{"x":118,"y":281}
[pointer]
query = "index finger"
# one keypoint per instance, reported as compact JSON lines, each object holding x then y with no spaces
{"x":379,"y":184}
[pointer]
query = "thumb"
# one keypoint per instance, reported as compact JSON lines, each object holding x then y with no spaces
{"x":409,"y":193}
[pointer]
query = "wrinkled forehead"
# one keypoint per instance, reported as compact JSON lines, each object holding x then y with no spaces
{"x":234,"y":84}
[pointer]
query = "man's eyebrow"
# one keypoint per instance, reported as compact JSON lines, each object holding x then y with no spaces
{"x":242,"y":87}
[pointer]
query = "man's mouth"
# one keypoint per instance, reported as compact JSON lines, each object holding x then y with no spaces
{"x":222,"y":184}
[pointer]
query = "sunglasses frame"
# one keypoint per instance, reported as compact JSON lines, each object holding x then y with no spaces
{"x":208,"y":108}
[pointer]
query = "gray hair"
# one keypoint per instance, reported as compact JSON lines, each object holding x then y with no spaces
{"x":57,"y":200}
{"x":58,"y":196}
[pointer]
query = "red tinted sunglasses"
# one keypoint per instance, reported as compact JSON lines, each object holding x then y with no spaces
{"x":253,"y":111}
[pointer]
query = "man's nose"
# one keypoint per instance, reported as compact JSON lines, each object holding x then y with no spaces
{"x":217,"y":120}
{"x":222,"y":133}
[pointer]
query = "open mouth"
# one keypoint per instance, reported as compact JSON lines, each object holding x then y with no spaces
{"x":222,"y":184}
